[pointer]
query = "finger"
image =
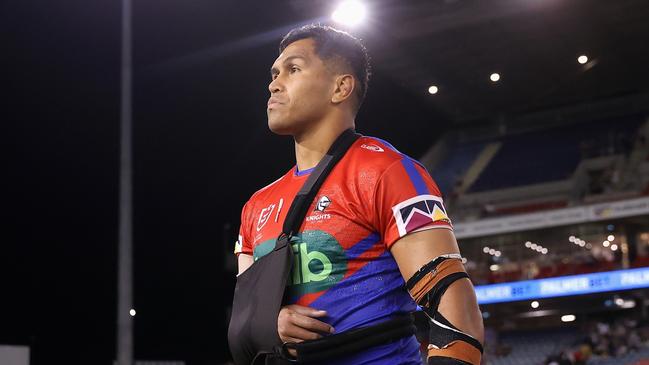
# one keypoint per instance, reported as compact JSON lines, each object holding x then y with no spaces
{"x":292,"y":352}
{"x":300,"y":334}
{"x":308,"y":311}
{"x":311,"y":324}
{"x":290,"y":339}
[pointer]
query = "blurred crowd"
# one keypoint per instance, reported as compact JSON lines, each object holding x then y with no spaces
{"x":604,"y":340}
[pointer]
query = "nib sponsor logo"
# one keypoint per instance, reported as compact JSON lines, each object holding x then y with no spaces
{"x":320,"y":262}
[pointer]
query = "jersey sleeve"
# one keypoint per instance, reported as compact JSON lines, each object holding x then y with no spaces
{"x":243,"y":243}
{"x":406,"y":200}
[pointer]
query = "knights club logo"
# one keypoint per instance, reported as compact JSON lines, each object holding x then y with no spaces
{"x":322,"y":203}
{"x":419,"y":211}
{"x":264,"y":215}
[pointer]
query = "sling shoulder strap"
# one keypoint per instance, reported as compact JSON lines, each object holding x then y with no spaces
{"x":307,"y":193}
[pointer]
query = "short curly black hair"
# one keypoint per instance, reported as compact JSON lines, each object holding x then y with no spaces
{"x":333,"y":43}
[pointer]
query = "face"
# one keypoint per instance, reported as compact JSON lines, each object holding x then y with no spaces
{"x":300,"y":89}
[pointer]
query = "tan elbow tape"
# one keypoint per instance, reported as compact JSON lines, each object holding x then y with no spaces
{"x":432,"y":278}
{"x":459,"y":350}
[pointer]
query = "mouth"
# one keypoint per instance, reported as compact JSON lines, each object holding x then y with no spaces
{"x":272,"y":103}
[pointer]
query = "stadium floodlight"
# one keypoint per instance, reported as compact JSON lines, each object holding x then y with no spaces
{"x":568,"y":318}
{"x":433,"y":90}
{"x":610,"y":238}
{"x":606,"y":243}
{"x":544,"y":251}
{"x":582,"y":59}
{"x":497,"y":253}
{"x":494,"y":267}
{"x":534,"y":304}
{"x":349,"y":12}
{"x":571,"y":238}
{"x":528,"y":244}
{"x":492,"y":252}
{"x":534,"y":246}
{"x":614,"y":247}
{"x":132,"y":312}
{"x":628,"y":304}
{"x":494,"y":77}
{"x":486,"y":249}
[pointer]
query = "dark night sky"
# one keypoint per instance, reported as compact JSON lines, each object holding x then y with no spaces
{"x":201,"y":149}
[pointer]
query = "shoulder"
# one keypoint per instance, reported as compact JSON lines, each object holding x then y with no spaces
{"x":378,"y":155}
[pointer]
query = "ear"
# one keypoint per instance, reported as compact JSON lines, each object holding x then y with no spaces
{"x":345,"y":85}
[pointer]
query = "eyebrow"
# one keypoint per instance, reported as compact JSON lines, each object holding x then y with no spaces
{"x":274,"y":70}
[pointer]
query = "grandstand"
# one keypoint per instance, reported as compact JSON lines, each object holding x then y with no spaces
{"x":552,"y":219}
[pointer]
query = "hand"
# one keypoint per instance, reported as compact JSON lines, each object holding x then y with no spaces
{"x":297,"y":323}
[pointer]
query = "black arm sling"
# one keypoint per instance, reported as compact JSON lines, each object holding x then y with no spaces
{"x":259,"y":292}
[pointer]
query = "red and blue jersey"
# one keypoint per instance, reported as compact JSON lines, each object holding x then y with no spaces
{"x":374,"y":196}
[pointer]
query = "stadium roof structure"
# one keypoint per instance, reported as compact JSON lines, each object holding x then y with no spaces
{"x":533,"y":45}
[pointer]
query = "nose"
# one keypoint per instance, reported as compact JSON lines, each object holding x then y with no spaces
{"x":274,"y":86}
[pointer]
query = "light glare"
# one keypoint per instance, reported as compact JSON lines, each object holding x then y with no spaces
{"x":494,"y":77}
{"x":582,"y":59}
{"x":433,"y":90}
{"x":349,"y":13}
{"x":568,"y":318}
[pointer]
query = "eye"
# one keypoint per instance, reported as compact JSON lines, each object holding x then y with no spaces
{"x":294,"y":69}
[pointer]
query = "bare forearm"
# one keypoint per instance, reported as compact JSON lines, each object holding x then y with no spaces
{"x":460,"y":306}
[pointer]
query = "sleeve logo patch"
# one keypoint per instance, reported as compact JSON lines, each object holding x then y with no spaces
{"x":419,"y":211}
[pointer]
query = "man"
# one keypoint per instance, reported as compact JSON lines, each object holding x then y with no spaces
{"x":377,"y":221}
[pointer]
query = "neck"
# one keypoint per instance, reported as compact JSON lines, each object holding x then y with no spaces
{"x":313,"y":144}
